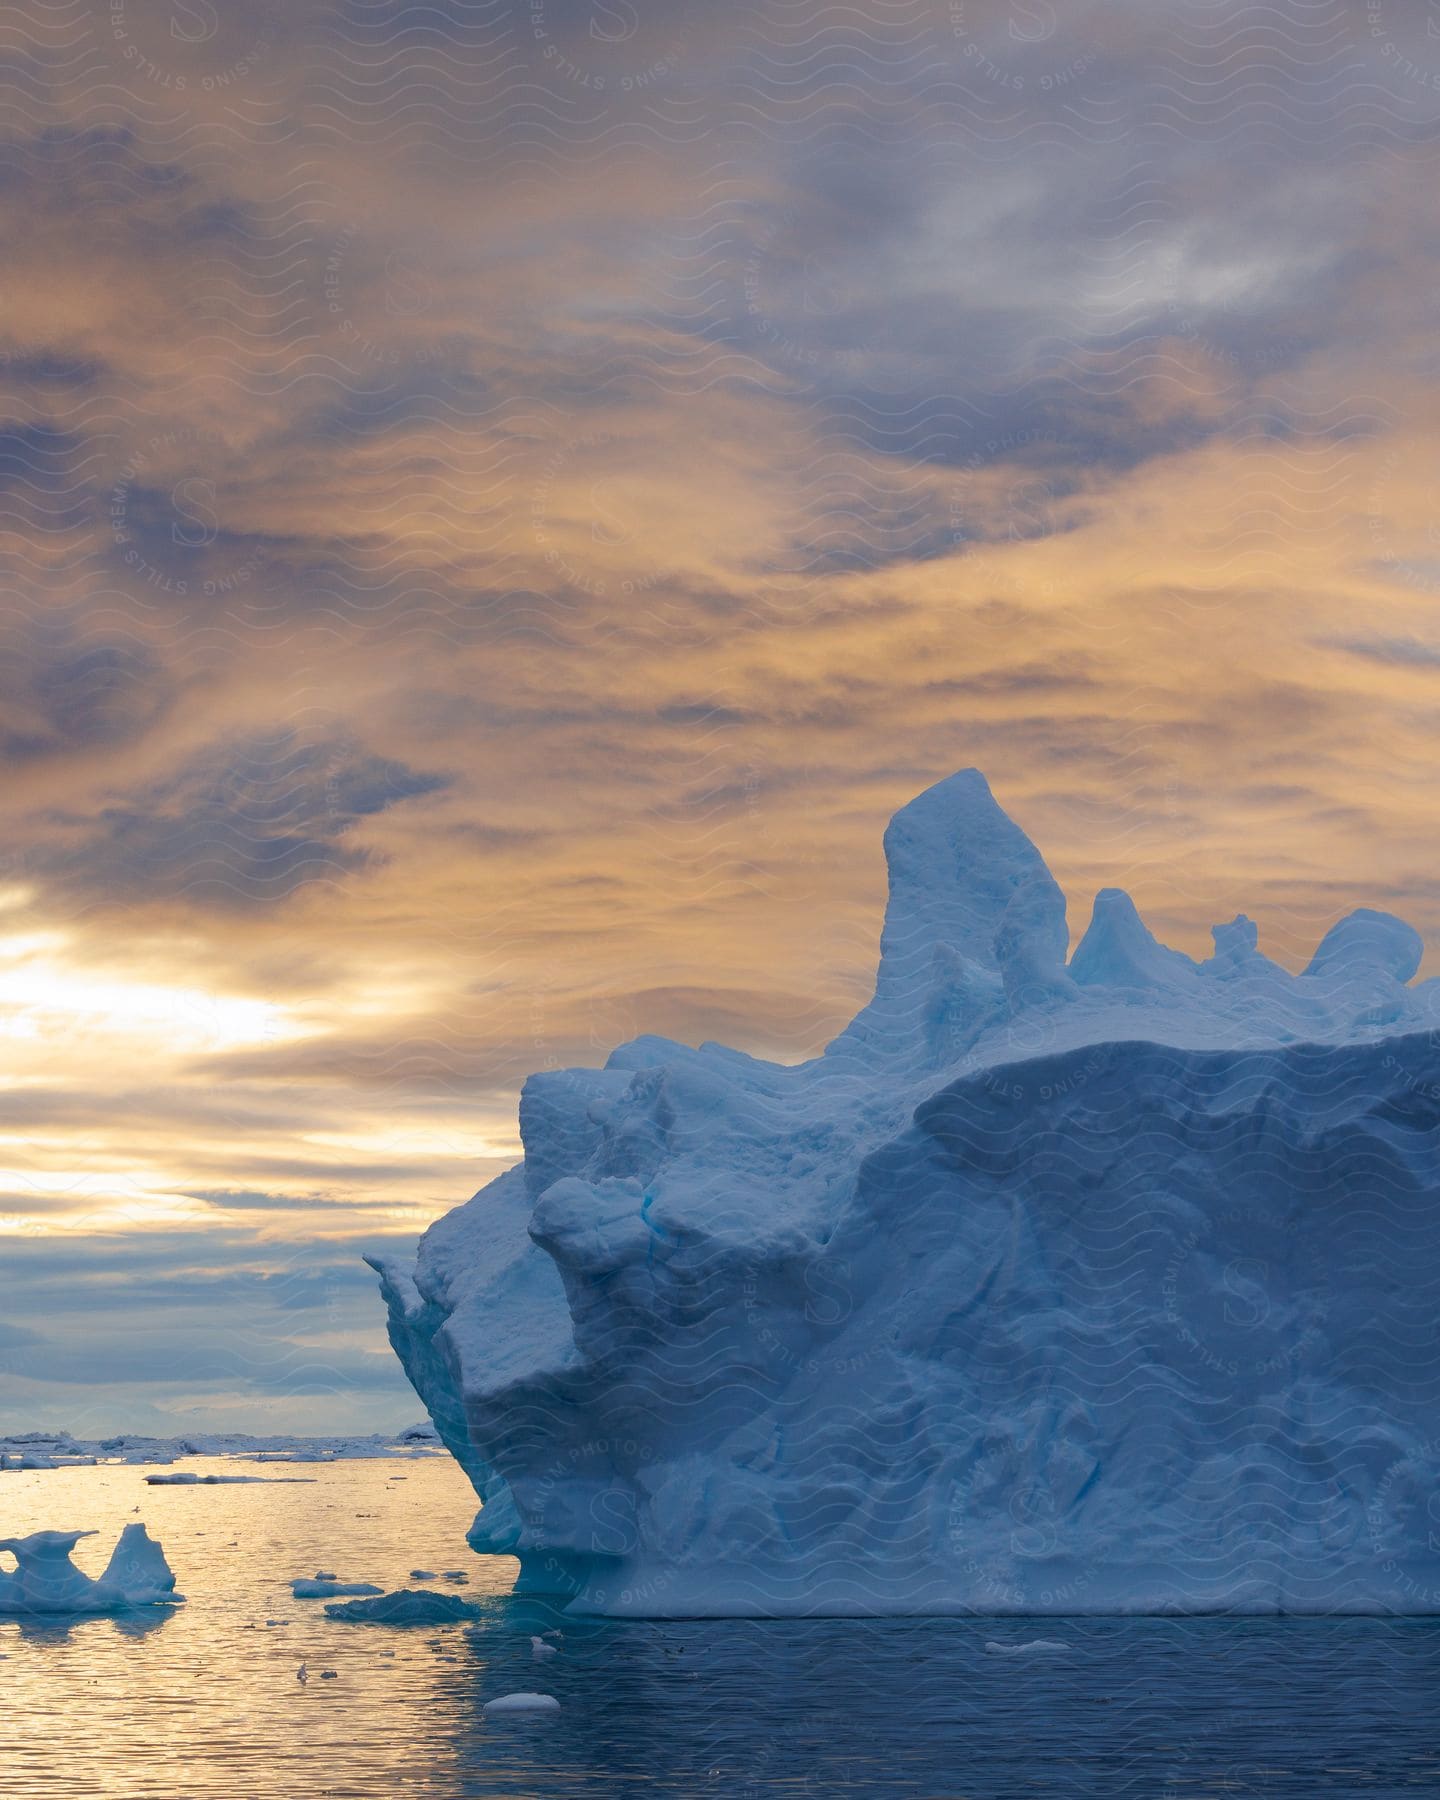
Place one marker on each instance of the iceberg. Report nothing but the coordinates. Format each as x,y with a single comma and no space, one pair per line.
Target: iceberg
1060,1283
46,1581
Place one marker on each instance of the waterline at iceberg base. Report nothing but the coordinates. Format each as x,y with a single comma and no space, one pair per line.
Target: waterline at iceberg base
1051,1287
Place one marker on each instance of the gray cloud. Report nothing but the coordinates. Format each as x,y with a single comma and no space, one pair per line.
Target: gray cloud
64,688
1395,652
245,826
164,1314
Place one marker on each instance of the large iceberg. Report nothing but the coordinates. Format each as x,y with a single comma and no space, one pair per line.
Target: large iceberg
1099,1283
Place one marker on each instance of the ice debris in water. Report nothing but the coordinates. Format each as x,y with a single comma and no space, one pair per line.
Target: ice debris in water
406,1606
188,1478
509,1703
1059,1283
45,1580
331,1590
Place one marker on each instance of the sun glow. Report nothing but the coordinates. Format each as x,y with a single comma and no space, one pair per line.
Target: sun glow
46,996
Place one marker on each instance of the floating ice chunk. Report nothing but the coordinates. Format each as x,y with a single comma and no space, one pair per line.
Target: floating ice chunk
46,1581
540,1651
422,1575
331,1590
508,1703
406,1606
188,1478
138,1567
1036,1647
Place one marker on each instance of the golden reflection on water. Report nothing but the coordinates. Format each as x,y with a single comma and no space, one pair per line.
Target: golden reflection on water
202,1699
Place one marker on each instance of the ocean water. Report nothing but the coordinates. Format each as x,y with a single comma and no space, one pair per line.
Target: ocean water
205,1701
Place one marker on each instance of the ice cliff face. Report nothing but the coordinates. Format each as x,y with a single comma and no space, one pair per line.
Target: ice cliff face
1107,1285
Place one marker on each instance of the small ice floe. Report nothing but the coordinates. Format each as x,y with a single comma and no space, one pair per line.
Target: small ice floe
319,1589
329,1674
540,1651
326,1575
456,1575
511,1703
422,1574
188,1478
1036,1647
46,1581
406,1606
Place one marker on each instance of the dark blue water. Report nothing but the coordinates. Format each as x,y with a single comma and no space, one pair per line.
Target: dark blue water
1153,1708
205,1703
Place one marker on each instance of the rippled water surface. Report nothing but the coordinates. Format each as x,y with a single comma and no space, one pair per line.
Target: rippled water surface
206,1702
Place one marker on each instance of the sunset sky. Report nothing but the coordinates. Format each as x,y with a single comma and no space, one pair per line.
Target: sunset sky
502,500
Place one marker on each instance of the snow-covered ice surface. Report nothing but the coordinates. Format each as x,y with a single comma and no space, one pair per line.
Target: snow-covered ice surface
1099,1285
45,1582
